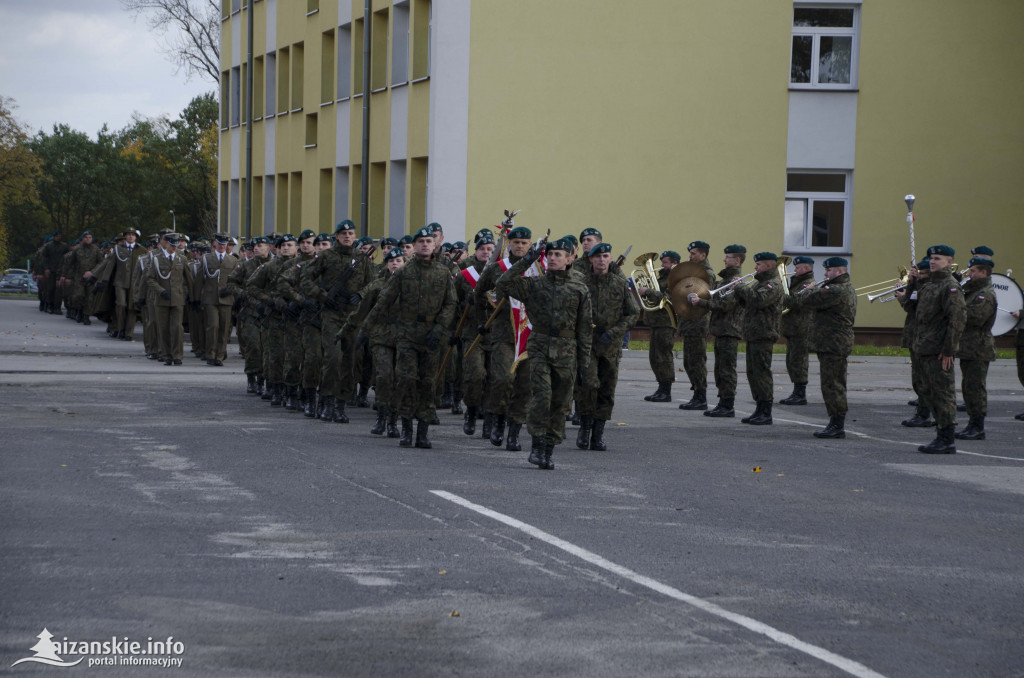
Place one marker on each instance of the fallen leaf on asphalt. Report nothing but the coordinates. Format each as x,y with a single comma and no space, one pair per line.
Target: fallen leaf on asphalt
443,572
756,469
455,613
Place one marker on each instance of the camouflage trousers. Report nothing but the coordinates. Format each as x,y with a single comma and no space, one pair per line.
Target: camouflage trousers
833,383
362,365
660,354
917,376
1020,356
312,356
551,386
336,376
796,358
975,374
415,380
499,377
474,375
726,349
251,342
938,390
291,352
597,396
217,323
695,361
759,370
384,377
273,351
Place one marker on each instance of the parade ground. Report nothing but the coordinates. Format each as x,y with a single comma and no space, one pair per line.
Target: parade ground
159,519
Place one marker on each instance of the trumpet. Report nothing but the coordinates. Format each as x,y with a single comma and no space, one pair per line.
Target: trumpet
901,279
729,287
889,295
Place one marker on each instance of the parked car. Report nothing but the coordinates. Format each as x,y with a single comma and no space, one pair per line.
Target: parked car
19,282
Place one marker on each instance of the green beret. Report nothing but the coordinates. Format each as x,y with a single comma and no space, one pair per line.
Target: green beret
308,233
394,253
981,261
699,245
802,259
323,237
346,225
520,232
572,239
446,247
425,232
482,233
735,249
365,240
560,244
835,262
458,245
600,248
589,231
287,237
434,227
260,240
485,240
405,240
671,254
944,250
388,243
924,264
983,250
762,256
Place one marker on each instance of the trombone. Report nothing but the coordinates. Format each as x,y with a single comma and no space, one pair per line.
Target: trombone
888,295
901,279
728,288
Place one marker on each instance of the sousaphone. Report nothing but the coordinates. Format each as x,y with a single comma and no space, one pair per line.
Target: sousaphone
688,277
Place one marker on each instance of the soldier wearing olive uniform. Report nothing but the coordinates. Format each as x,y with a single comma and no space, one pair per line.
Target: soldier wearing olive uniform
166,284
795,327
474,369
290,300
663,331
216,299
248,330
87,256
907,297
695,333
977,346
261,288
762,309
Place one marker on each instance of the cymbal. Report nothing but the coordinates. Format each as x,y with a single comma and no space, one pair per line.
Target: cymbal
688,277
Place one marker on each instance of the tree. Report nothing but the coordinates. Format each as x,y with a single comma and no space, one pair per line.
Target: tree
19,171
196,46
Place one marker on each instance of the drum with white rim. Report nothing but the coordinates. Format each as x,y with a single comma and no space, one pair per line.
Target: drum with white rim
1008,298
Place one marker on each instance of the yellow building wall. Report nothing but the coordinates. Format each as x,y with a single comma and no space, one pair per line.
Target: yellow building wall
657,126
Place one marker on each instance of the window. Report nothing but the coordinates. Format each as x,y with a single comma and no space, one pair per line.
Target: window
344,61
327,61
340,194
271,91
225,90
817,215
400,44
257,87
236,96
283,70
298,78
420,38
824,47
379,51
311,130
396,200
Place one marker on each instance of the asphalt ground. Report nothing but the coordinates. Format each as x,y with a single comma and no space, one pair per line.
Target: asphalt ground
142,501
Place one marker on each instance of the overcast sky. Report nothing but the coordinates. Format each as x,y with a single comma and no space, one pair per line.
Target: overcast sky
85,63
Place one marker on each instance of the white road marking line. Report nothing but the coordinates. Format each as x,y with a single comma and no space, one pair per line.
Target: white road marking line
840,662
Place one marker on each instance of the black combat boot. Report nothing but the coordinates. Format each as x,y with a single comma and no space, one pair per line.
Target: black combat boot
914,403
339,416
251,387
921,419
422,442
265,388
392,427
722,409
406,440
456,402
291,400
576,416
944,442
1019,417
485,429
512,438
498,431
597,436
380,425
469,425
328,405
699,401
798,397
765,418
583,435
361,394
962,407
446,396
663,394
310,409
757,413
546,463
834,428
537,451
276,395
975,430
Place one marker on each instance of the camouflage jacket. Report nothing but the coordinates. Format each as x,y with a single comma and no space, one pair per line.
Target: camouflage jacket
379,332
798,320
287,283
726,311
239,278
941,315
663,317
86,258
834,305
908,300
331,263
466,294
613,309
501,328
559,309
261,287
417,300
762,306
977,342
699,326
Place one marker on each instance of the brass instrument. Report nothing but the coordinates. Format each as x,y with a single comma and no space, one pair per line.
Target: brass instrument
688,277
889,295
901,279
728,288
784,273
646,276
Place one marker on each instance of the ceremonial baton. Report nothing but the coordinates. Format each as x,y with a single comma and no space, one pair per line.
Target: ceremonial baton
909,199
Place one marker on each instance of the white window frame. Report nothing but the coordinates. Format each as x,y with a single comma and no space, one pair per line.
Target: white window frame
817,33
794,199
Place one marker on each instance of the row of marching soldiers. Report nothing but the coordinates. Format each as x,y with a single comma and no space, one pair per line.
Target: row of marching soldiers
518,329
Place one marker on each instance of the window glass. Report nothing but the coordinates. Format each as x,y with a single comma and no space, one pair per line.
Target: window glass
830,18
834,59
793,229
827,223
800,70
817,183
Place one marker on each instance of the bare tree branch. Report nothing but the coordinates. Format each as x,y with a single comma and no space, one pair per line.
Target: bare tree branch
194,27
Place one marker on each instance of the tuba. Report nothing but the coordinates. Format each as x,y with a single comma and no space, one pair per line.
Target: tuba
646,276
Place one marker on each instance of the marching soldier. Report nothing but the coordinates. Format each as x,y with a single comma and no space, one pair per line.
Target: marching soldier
248,328
941,315
86,257
663,331
695,333
126,258
559,343
831,337
726,325
53,253
795,326
216,299
289,300
277,338
166,284
762,308
613,313
310,325
474,371
977,346
420,301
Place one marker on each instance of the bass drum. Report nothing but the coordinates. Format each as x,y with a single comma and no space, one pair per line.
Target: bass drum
1008,298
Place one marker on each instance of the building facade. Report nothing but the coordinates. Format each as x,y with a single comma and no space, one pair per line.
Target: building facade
796,127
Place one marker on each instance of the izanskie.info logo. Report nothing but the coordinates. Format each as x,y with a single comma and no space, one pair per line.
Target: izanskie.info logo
114,652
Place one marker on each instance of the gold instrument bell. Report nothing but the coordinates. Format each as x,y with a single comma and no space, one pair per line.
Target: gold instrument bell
688,277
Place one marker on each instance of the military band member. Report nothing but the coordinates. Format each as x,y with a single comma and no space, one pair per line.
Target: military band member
216,299
834,305
663,331
726,325
941,315
559,343
795,326
762,309
588,238
420,301
977,345
166,284
1019,350
695,337
917,277
613,313
983,252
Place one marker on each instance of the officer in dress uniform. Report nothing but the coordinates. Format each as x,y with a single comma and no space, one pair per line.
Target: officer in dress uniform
166,284
216,299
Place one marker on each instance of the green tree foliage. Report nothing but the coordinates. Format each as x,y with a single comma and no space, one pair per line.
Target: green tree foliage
19,171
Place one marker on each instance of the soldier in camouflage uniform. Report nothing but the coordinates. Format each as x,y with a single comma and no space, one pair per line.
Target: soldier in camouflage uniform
290,299
663,331
917,278
53,253
796,325
762,309
941,315
559,345
420,301
343,260
87,256
279,337
248,328
977,346
310,325
474,369
726,325
835,306
613,314
695,337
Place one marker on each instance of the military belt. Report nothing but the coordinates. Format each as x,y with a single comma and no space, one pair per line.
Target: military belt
564,334
417,317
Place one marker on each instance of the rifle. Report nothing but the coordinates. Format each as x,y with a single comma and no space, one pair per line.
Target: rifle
448,353
622,258
336,290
